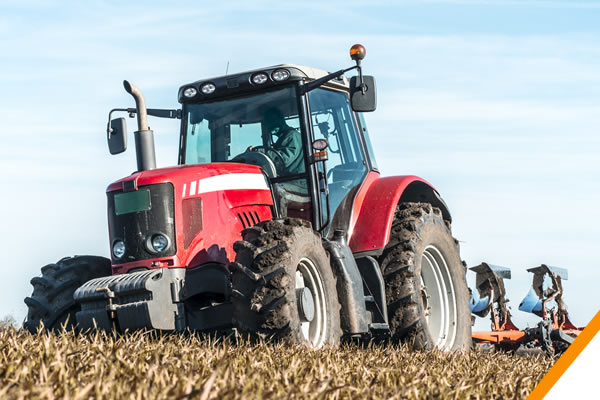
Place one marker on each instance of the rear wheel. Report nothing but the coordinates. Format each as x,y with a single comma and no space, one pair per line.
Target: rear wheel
426,290
52,300
283,285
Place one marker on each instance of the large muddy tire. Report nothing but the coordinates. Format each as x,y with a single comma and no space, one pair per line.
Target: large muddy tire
283,285
52,300
426,289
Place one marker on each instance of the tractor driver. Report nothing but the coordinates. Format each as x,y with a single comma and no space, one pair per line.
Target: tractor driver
288,156
286,152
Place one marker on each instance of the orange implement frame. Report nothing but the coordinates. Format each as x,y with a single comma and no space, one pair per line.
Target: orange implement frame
554,333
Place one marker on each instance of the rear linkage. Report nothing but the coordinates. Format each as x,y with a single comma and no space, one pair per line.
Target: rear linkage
554,333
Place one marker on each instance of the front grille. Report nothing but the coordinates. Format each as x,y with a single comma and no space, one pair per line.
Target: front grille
135,227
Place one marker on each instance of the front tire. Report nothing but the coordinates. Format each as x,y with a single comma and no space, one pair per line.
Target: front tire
283,285
52,300
426,289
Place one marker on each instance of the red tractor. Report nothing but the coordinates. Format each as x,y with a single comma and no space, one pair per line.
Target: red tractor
275,223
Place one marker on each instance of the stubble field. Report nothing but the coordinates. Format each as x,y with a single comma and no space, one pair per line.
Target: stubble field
149,366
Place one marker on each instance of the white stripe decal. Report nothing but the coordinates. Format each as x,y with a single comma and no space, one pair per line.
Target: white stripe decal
232,182
184,187
192,188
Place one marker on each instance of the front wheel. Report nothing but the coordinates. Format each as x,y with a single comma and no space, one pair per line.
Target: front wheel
426,289
283,285
52,303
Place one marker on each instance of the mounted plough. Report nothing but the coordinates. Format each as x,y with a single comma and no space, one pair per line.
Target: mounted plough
554,333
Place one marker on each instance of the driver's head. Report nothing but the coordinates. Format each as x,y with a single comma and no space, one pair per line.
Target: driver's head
273,119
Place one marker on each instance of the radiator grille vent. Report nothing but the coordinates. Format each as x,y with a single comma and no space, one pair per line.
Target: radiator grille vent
248,218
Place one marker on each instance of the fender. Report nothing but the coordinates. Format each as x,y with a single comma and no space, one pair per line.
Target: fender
374,209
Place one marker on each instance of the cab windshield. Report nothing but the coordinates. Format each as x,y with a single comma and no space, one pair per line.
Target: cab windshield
261,129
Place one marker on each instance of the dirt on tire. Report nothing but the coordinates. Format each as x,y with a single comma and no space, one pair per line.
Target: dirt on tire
263,282
415,226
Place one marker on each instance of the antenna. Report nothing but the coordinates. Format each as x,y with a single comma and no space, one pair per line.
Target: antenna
227,69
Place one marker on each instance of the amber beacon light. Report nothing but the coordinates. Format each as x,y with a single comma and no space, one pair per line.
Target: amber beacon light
358,52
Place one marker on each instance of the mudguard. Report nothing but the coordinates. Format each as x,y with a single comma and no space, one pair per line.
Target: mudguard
375,204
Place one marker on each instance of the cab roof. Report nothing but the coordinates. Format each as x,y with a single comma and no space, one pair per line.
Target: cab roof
241,82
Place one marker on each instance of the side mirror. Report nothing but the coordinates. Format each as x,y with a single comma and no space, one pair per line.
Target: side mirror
363,102
117,136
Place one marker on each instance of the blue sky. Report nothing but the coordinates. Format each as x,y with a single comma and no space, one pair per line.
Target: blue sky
497,103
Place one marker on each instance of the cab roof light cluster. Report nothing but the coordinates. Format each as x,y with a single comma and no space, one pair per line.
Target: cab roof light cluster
190,92
197,90
280,75
259,78
205,88
208,88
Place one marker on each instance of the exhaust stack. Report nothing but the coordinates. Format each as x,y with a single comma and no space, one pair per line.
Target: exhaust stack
144,137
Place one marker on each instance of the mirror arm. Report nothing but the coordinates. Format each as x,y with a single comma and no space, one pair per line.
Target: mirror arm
155,112
161,113
108,128
318,82
363,87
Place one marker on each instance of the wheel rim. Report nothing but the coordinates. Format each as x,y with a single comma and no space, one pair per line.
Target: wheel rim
307,276
439,298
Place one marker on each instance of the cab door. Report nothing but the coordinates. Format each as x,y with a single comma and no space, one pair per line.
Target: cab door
333,119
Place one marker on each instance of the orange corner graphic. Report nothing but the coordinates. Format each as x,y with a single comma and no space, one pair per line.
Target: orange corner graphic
566,359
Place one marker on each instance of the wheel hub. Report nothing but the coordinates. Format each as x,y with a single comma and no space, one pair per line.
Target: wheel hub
306,304
310,303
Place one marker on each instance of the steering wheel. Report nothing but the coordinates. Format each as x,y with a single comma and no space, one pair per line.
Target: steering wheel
258,158
276,152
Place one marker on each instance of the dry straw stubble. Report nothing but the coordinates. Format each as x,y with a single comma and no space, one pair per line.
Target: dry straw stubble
145,365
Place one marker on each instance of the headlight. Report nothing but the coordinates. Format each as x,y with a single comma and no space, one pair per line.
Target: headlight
157,243
280,75
118,249
190,92
208,88
259,78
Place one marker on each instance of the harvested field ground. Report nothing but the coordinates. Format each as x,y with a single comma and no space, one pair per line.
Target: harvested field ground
148,366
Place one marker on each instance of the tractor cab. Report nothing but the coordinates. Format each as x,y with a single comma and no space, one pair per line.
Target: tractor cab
302,126
310,143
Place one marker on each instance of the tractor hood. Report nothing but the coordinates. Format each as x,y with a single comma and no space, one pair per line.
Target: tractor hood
196,176
199,210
